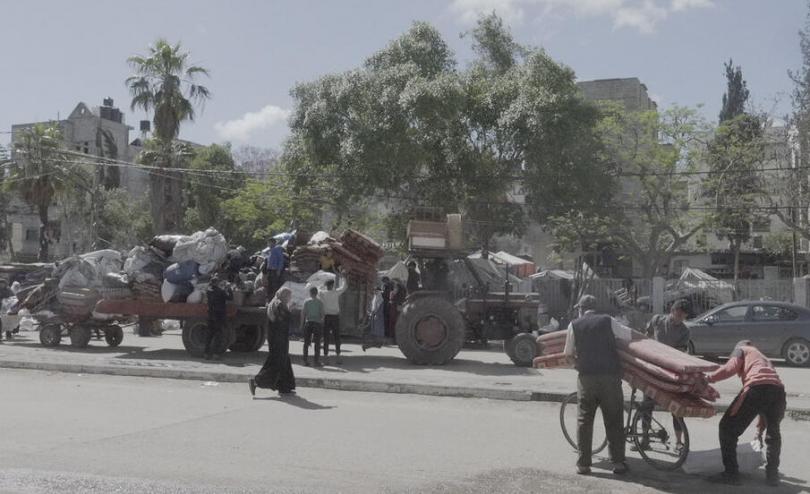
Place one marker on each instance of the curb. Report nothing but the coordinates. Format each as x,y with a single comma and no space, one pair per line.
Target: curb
359,385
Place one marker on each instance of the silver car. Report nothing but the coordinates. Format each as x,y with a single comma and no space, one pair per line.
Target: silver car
778,329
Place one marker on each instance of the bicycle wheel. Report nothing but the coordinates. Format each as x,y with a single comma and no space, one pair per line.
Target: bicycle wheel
568,423
661,449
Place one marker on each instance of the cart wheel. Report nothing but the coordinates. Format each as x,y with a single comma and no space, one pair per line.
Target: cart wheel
80,336
50,335
114,335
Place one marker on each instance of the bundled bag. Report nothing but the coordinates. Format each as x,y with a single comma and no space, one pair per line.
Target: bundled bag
167,243
202,247
181,272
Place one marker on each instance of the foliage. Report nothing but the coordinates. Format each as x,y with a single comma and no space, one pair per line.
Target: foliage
735,97
4,226
735,155
792,199
165,185
42,173
411,130
123,221
263,208
165,82
206,191
255,160
647,215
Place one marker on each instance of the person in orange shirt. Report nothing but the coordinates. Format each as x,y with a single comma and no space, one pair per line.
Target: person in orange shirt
763,394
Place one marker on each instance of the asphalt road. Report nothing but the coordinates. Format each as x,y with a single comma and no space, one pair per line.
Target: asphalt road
83,433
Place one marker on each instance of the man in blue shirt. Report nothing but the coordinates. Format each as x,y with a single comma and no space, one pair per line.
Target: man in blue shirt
273,268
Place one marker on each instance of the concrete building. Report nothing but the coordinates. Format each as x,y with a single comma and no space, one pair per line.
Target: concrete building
631,92
99,131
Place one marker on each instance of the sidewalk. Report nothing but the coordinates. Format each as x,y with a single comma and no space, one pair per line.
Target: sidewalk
480,373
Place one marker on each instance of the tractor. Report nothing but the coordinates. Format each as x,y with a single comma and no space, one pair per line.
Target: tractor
458,302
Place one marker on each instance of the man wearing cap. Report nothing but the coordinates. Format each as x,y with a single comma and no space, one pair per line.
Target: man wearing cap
591,341
668,329
763,395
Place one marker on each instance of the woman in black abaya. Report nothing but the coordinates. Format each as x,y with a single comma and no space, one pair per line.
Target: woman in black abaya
277,373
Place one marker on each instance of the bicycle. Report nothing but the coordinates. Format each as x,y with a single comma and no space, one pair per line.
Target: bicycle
660,450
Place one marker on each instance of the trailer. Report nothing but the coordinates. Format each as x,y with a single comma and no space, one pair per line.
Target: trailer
245,329
71,316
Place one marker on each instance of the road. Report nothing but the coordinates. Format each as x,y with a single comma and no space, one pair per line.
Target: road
86,433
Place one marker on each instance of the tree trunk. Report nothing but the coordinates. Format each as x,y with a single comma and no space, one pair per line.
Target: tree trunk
42,209
735,249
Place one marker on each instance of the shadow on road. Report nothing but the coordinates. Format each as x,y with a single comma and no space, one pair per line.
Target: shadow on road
297,401
681,483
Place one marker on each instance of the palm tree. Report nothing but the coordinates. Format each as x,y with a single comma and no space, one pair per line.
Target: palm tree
40,173
164,82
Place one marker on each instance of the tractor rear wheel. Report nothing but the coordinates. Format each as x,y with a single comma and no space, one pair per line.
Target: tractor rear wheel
430,331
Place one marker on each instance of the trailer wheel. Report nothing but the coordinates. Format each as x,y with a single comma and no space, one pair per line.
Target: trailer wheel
114,335
195,334
430,331
50,335
248,338
521,349
80,336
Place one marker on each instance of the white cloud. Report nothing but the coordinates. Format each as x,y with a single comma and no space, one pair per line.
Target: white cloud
242,128
678,5
642,15
468,11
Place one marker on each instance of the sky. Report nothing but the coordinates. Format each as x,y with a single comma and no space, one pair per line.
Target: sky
56,53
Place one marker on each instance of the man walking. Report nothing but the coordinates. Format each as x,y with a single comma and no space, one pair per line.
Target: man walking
330,296
218,296
668,329
591,341
763,394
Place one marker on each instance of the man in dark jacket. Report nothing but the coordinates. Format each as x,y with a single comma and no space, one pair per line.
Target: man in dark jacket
591,341
668,329
218,295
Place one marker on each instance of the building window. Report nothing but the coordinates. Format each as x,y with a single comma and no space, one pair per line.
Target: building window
757,241
762,225
31,235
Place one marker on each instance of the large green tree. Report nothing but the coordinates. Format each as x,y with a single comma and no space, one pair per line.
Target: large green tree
165,83
262,208
212,180
41,173
734,187
411,129
5,162
791,197
647,215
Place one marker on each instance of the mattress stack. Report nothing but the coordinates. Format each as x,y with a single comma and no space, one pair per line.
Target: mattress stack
673,379
307,258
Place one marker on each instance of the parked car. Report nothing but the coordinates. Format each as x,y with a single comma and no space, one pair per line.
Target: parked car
778,329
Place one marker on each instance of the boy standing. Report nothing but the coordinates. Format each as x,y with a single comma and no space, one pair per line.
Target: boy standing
312,316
